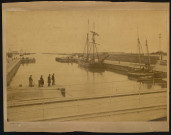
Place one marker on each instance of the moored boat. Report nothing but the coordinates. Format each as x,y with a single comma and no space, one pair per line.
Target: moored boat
91,58
144,72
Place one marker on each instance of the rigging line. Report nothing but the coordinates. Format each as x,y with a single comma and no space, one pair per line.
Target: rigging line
139,40
147,52
139,51
141,48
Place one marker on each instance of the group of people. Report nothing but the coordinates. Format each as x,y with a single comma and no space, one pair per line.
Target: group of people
50,80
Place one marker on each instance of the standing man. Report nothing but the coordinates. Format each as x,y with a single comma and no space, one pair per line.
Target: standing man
30,81
53,79
49,80
41,81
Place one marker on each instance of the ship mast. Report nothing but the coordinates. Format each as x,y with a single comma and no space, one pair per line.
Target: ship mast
93,42
86,48
139,50
87,43
148,55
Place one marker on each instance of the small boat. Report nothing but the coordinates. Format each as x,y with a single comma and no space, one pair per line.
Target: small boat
62,60
66,59
141,74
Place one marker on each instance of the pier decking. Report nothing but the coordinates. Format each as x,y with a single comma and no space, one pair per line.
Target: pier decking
42,104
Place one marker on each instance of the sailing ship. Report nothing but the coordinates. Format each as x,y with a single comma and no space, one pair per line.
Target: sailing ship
144,72
91,59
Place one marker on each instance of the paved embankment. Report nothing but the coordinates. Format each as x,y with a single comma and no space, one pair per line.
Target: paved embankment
12,68
143,105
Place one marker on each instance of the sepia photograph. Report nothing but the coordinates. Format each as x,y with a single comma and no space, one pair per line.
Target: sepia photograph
86,62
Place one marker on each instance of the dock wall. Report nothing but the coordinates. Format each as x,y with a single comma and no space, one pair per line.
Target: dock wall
134,58
12,69
125,67
118,68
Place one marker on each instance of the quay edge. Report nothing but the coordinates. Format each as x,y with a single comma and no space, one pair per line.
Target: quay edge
11,71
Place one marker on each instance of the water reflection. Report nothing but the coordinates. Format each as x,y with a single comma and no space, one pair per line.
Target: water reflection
153,82
116,71
93,70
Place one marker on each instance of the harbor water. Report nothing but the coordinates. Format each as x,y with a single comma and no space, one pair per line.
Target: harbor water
77,81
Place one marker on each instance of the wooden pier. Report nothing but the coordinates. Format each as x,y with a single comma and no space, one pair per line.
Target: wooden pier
12,68
49,105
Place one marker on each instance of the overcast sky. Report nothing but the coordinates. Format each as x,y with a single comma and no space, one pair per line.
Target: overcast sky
65,31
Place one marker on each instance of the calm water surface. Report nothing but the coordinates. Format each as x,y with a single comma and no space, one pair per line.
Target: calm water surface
76,80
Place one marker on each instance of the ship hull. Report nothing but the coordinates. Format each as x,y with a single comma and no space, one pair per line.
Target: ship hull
141,76
93,66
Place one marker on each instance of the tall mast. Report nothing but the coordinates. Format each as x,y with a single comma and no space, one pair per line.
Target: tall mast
148,54
87,43
93,38
139,51
93,41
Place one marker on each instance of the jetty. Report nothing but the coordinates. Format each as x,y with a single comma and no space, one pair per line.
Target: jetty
125,67
12,67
